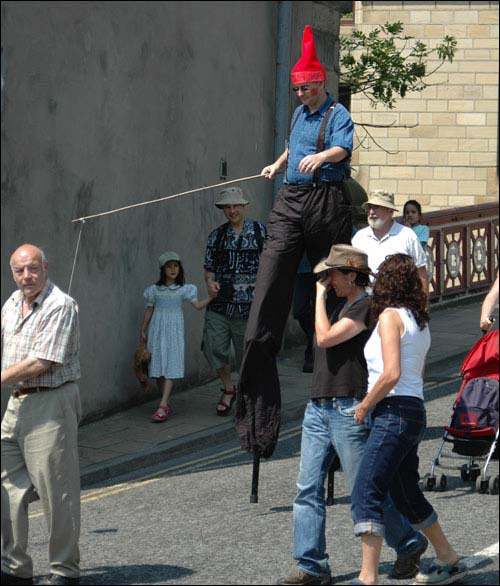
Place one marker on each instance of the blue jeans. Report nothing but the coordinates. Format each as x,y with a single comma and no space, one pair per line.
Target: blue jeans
329,428
390,466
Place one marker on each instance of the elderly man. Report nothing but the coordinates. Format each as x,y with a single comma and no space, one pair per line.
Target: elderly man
40,338
231,263
384,236
313,211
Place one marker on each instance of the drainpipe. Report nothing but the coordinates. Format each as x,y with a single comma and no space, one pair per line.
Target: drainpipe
281,112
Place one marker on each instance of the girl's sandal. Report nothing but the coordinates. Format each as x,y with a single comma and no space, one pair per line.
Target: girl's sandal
223,408
161,413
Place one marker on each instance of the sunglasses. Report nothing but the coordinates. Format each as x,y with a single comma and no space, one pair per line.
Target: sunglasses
302,88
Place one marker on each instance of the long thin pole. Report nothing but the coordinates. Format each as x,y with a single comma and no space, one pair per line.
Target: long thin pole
145,203
254,496
76,254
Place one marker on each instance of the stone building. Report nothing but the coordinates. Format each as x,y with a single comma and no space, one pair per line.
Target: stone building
448,155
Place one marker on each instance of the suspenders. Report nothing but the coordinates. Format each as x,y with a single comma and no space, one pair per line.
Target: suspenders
320,145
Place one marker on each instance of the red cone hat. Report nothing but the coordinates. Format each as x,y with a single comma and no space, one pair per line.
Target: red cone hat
308,68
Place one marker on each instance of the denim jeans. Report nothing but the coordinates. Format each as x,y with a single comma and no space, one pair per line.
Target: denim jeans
328,428
390,466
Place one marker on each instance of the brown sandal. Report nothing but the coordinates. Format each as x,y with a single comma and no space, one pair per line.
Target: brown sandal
226,408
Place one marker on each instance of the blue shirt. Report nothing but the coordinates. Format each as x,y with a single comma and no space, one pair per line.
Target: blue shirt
304,138
422,232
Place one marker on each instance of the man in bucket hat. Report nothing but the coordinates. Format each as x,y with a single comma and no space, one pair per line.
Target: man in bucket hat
384,236
231,262
313,211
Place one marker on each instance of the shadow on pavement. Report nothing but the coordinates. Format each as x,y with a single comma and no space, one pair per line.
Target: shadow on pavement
134,574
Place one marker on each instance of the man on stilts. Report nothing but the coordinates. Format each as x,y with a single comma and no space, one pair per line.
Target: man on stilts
313,211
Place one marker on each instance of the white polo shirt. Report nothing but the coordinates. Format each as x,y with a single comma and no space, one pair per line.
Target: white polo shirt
399,239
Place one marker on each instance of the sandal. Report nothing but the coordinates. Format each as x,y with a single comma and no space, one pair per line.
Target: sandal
226,407
161,413
440,573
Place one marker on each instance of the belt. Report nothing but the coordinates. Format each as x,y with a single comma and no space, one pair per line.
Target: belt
323,400
30,391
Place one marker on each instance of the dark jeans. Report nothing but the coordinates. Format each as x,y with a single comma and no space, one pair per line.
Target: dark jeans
390,466
310,219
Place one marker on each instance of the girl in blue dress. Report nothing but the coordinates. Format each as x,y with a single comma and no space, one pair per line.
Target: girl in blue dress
163,327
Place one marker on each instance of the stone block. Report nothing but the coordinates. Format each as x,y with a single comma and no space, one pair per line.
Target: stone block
486,159
442,172
452,131
437,106
439,187
424,132
438,158
461,105
392,172
471,187
417,158
420,17
471,119
477,31
459,158
408,144
438,144
488,16
463,173
461,200
487,78
474,145
465,16
450,92
406,187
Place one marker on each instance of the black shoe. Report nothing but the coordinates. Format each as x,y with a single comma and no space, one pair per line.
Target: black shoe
406,567
58,579
11,579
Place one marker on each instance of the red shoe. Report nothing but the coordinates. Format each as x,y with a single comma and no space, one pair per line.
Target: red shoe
161,413
224,408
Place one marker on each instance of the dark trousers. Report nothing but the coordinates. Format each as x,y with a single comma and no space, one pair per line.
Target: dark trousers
303,307
310,219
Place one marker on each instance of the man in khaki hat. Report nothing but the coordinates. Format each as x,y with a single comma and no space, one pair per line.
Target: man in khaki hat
383,236
231,263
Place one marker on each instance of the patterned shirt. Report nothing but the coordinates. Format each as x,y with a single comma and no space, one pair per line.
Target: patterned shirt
234,260
50,331
304,139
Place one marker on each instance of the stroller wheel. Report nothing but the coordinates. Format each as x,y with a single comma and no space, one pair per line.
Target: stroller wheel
465,473
428,482
493,485
482,484
443,483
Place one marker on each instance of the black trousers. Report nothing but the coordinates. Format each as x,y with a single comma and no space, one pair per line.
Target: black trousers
304,218
304,297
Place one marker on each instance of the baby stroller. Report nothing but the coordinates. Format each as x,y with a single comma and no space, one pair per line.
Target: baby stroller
473,429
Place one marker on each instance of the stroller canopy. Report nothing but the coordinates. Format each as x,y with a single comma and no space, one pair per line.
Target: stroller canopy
483,358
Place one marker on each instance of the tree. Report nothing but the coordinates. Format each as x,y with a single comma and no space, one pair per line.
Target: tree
384,65
388,63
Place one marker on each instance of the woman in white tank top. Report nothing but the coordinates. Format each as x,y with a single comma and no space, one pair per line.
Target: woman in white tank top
395,355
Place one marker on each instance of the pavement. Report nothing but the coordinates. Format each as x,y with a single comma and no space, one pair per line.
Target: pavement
129,440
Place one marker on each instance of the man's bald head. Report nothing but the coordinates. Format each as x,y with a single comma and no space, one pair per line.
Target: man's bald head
29,269
29,250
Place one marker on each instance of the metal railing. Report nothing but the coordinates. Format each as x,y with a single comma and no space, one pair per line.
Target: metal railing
462,252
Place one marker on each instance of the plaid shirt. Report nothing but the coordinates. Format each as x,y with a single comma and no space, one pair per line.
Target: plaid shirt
50,331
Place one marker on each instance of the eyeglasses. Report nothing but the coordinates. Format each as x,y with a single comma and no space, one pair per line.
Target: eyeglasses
302,88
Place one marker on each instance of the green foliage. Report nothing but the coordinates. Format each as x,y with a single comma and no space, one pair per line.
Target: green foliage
389,63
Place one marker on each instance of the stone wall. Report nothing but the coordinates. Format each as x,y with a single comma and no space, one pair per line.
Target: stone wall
450,157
